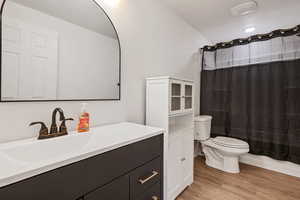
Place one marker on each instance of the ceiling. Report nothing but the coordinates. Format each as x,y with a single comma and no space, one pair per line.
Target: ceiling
85,13
213,19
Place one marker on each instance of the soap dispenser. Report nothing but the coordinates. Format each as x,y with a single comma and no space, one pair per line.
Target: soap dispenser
84,120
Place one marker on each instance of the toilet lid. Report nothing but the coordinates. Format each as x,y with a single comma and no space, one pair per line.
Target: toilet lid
231,142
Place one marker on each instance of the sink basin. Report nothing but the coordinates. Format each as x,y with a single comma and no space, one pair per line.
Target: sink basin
49,149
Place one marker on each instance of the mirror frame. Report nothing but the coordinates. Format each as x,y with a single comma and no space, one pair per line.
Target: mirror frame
64,100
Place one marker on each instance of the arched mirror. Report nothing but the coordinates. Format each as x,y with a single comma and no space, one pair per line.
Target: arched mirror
58,50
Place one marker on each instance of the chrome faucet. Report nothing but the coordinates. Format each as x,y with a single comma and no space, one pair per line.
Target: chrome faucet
54,131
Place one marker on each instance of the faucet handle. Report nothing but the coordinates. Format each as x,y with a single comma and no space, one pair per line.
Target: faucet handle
44,129
63,127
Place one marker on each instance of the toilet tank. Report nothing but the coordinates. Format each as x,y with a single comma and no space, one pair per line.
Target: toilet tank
202,127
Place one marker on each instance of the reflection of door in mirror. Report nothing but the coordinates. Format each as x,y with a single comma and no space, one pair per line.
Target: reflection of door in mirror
58,50
29,62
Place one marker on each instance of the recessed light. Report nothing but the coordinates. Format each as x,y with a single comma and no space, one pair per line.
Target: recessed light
112,3
249,30
245,8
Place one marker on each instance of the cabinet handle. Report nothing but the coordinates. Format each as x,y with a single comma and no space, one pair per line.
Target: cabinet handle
143,181
155,198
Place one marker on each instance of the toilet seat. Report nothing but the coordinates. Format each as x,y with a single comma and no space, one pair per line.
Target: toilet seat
230,142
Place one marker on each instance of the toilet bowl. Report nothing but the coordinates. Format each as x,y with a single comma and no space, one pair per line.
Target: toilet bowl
221,152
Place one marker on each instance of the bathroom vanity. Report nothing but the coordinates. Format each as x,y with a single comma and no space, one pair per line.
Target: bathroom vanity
115,162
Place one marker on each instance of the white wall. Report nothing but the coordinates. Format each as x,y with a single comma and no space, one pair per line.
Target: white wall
154,42
84,56
214,20
267,19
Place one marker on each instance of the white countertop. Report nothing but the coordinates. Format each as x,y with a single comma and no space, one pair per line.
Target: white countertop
26,158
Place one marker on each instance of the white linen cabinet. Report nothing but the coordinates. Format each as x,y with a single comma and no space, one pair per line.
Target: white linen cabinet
170,105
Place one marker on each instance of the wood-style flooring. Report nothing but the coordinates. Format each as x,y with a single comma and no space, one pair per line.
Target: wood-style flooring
252,183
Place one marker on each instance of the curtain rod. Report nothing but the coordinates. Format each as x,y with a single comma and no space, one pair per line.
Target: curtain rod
254,38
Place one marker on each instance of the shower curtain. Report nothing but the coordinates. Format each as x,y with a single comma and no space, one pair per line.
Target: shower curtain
251,87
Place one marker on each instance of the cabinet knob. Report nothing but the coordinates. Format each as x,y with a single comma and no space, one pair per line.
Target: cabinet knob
183,159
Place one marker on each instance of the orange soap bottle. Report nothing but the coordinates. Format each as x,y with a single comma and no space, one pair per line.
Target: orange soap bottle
84,120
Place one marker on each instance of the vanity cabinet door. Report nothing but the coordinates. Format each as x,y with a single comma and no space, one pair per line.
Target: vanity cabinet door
117,190
42,187
144,177
153,193
64,184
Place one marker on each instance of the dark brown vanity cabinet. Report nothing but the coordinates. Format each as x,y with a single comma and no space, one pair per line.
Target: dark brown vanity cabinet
133,172
117,190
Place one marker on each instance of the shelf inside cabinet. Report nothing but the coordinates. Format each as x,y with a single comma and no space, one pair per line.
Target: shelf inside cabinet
188,90
188,103
176,103
181,114
176,89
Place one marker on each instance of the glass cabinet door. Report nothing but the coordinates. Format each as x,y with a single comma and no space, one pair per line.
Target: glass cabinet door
181,99
188,97
176,96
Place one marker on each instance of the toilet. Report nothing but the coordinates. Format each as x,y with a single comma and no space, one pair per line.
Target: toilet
221,152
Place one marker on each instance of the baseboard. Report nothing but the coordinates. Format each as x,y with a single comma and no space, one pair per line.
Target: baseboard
271,164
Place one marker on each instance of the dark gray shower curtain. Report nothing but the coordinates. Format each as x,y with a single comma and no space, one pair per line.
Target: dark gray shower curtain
258,103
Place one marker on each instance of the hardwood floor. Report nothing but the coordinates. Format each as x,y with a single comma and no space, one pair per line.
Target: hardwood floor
251,184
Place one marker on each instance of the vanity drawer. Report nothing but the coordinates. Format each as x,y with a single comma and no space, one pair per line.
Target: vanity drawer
154,193
106,167
145,177
117,190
